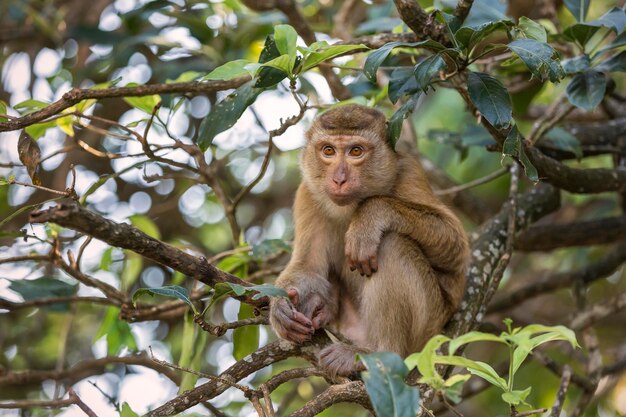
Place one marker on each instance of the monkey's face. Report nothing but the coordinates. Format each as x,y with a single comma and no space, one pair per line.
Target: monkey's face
349,168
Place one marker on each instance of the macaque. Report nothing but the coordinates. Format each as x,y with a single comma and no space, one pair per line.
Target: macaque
377,257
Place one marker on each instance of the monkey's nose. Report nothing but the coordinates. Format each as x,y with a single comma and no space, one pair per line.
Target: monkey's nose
340,181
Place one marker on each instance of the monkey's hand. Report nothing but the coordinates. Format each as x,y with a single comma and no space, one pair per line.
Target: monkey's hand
289,323
362,249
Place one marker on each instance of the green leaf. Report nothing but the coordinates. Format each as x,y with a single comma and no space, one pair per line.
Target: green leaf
614,64
425,361
395,122
454,387
286,38
30,105
490,98
615,19
245,338
578,8
470,337
577,64
37,130
586,90
427,69
145,103
314,58
229,70
539,57
516,398
44,287
580,32
514,148
485,11
268,76
226,113
146,225
107,258
127,411
561,139
481,369
270,247
562,331
468,36
532,29
401,83
384,382
376,58
172,291
133,265
281,63
118,334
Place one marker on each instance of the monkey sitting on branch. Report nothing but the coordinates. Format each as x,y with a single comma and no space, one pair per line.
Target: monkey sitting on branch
377,257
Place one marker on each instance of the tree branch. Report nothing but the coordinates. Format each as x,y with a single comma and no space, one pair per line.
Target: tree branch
73,216
77,95
589,232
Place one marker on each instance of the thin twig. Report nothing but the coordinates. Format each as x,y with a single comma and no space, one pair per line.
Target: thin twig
560,396
474,183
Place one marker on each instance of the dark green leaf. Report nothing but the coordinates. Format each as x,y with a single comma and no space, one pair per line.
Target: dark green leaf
614,64
532,29
267,76
468,36
427,69
615,19
580,32
401,83
490,98
485,11
245,338
376,58
559,138
579,63
285,37
539,57
514,148
270,247
44,287
395,122
226,113
578,8
586,90
173,291
384,382
30,105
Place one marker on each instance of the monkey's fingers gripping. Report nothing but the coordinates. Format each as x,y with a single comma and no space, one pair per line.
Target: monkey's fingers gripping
363,257
289,323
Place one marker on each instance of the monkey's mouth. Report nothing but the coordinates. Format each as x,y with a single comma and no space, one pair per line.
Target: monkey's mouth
341,199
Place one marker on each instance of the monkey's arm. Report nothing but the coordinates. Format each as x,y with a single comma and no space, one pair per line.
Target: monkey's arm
434,228
312,301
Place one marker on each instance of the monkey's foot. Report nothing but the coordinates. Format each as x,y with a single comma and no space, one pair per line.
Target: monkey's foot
339,359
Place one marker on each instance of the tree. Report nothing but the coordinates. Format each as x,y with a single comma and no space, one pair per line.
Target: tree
138,160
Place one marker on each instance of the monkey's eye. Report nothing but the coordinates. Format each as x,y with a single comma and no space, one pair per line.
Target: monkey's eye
356,151
328,150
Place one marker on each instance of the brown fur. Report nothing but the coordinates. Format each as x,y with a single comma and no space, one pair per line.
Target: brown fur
376,255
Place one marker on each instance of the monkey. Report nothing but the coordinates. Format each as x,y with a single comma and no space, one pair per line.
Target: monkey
376,256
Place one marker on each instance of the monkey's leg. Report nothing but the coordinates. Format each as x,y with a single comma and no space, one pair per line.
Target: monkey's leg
402,305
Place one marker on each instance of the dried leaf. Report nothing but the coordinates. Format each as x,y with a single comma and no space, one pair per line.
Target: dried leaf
30,155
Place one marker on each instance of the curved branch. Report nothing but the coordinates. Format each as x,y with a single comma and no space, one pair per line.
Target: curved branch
77,95
589,232
610,263
353,392
83,370
267,355
73,216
